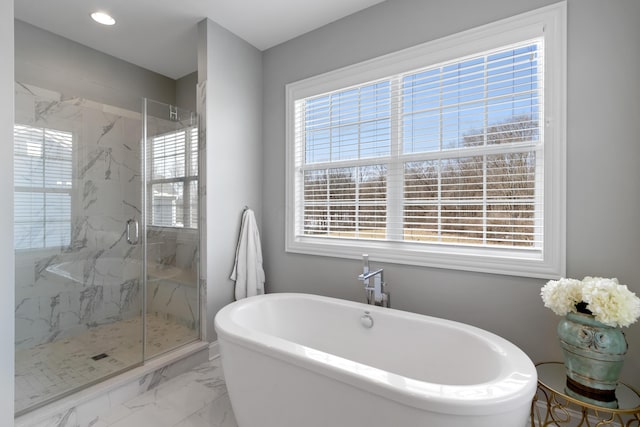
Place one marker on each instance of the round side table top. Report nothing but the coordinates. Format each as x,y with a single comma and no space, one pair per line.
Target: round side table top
552,376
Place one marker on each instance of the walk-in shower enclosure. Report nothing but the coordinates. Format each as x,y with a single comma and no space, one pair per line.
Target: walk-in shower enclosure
106,239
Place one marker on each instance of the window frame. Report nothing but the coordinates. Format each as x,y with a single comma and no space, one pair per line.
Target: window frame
548,262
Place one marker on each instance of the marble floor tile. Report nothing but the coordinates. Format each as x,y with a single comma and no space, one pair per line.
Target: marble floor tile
216,414
197,398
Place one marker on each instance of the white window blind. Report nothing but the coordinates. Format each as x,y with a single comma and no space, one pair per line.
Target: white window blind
174,179
454,158
43,168
445,154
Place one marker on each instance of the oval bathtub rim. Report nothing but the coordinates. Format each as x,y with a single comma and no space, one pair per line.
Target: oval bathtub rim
451,399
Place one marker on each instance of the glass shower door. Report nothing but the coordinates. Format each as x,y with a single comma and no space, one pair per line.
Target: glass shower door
171,227
78,244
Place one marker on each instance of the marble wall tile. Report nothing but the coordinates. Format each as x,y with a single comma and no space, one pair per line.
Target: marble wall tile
174,297
201,100
106,191
169,299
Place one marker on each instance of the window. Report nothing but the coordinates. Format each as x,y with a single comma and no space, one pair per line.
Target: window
174,179
43,163
449,154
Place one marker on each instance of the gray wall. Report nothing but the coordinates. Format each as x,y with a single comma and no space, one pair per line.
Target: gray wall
52,62
603,237
231,71
6,214
186,91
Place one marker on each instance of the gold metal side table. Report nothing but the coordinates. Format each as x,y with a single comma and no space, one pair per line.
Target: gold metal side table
553,406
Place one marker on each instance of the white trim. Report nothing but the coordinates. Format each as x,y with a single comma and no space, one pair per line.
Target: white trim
550,262
214,350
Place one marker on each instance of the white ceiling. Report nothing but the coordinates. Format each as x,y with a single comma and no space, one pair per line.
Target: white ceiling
160,35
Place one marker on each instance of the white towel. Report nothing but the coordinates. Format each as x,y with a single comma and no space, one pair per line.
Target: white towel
247,270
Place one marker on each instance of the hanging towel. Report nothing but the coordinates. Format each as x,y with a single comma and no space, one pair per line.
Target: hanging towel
247,270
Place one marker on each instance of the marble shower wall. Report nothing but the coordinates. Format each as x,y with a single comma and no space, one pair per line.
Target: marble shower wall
172,253
96,278
172,280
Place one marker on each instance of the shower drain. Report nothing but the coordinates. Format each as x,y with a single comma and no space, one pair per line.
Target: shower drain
99,356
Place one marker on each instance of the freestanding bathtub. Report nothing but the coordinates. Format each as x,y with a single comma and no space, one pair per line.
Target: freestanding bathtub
298,360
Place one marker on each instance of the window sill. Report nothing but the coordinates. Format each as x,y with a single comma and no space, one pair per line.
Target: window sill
512,262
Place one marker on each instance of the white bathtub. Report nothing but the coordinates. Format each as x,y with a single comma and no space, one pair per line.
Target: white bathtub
298,360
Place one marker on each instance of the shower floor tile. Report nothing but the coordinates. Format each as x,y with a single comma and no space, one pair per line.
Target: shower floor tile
49,370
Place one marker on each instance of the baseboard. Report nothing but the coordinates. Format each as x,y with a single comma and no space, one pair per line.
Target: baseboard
214,350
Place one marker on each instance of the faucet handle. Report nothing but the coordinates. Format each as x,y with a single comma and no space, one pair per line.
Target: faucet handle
365,263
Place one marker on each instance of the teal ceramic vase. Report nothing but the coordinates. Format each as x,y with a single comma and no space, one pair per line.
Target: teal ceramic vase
593,356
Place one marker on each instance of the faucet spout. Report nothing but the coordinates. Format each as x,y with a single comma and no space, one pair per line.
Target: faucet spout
370,274
376,293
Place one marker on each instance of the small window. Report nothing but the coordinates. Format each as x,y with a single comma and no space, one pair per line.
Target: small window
43,168
449,160
173,185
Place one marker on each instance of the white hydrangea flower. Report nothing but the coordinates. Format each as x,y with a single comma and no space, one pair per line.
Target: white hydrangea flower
610,302
561,296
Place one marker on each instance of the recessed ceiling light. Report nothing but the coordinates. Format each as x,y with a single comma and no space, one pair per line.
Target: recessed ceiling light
103,18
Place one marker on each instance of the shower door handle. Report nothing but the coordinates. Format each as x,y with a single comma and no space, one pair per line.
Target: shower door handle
132,238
